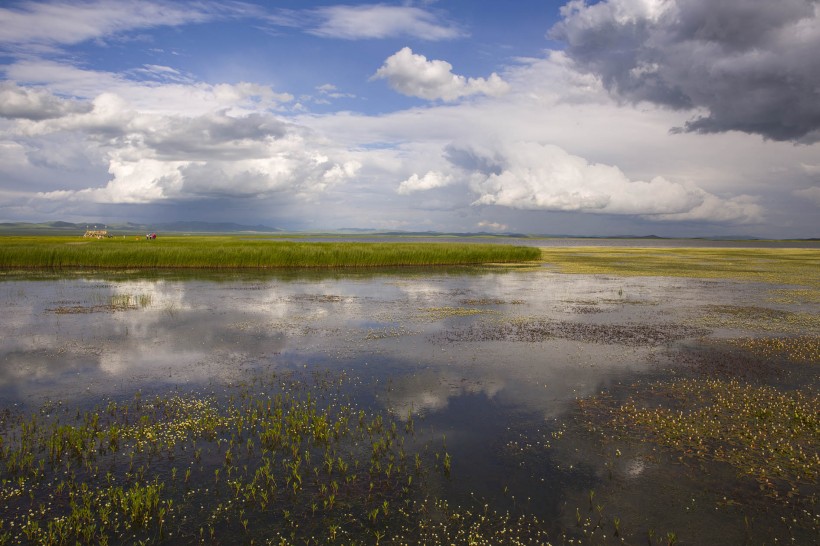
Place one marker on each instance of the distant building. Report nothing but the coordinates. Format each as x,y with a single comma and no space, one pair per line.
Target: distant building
97,234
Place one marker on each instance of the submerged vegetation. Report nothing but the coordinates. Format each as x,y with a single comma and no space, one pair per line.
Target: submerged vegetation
238,252
280,459
765,434
768,436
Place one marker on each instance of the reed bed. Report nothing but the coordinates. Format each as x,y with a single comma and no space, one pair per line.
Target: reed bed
216,252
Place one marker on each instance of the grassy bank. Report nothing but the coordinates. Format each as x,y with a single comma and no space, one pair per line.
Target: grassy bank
236,252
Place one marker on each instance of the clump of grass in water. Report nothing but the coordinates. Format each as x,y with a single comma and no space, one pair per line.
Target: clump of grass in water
121,302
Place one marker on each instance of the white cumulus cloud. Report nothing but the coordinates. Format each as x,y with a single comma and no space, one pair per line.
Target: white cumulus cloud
495,226
529,175
413,75
155,157
432,179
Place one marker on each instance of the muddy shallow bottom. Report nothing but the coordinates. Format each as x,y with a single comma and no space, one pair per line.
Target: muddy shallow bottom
490,366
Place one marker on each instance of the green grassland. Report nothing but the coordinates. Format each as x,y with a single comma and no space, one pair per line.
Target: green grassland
212,252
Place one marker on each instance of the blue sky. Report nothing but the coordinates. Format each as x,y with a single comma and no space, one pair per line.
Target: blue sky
668,117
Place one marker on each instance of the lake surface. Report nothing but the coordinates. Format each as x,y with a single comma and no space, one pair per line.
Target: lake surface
490,362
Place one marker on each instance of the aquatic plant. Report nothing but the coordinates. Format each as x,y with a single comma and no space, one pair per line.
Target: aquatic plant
795,348
758,319
766,434
110,475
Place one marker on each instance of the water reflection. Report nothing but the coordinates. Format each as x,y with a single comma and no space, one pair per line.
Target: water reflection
62,334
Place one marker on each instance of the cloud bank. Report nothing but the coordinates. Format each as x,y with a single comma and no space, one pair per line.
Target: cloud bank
751,65
154,157
533,176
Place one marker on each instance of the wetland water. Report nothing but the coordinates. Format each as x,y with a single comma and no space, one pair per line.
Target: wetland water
489,365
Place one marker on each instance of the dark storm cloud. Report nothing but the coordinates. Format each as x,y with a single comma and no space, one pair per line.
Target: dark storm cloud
752,65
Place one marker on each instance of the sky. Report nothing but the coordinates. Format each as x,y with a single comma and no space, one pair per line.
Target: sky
618,117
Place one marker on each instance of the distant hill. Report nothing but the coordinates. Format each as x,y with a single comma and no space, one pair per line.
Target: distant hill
27,228
212,227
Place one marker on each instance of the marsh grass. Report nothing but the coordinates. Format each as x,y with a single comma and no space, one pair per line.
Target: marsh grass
234,252
776,266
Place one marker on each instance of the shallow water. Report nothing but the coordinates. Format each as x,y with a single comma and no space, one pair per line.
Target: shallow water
490,362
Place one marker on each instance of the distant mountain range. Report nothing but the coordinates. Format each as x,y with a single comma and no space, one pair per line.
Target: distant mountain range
129,227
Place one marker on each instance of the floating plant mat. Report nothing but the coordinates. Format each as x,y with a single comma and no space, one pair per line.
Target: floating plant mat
776,266
759,319
804,349
766,434
790,296
536,330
